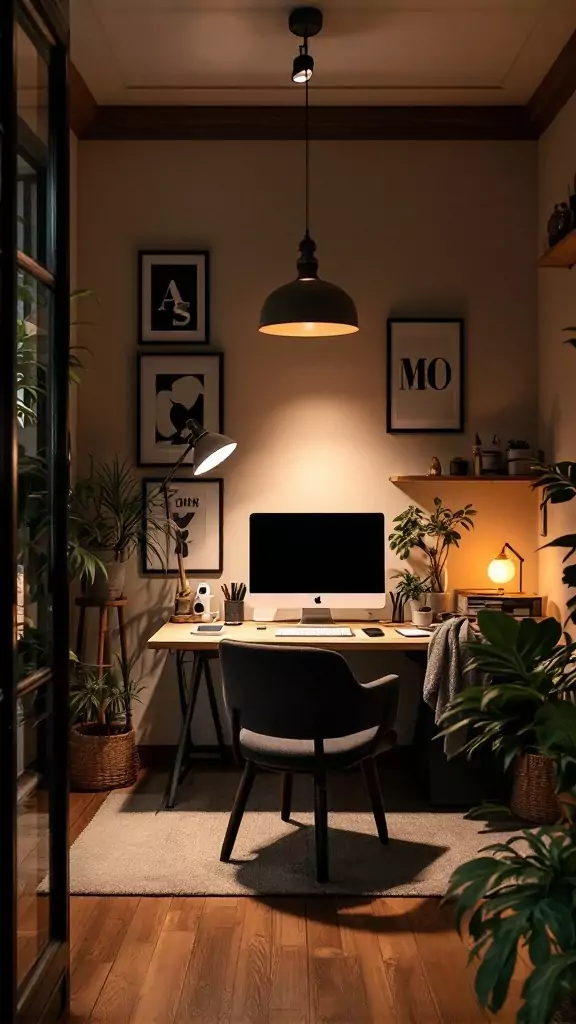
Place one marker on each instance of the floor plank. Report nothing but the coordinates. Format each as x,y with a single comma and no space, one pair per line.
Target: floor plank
286,960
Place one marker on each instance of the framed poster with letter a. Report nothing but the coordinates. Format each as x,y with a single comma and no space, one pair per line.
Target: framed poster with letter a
425,376
173,297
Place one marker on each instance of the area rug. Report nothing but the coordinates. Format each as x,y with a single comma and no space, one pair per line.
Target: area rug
134,847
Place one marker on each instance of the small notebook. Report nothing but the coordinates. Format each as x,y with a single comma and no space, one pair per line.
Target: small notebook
414,632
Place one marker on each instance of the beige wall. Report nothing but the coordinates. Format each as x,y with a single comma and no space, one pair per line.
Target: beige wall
408,228
557,362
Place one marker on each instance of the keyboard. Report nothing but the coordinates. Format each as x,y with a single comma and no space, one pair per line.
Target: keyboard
314,631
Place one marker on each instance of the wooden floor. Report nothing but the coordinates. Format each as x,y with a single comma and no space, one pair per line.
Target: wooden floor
229,960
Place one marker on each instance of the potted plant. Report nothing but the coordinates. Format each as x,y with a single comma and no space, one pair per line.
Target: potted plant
411,588
102,747
530,670
111,515
520,458
432,534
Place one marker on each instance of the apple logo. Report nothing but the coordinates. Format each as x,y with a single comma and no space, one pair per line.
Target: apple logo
317,600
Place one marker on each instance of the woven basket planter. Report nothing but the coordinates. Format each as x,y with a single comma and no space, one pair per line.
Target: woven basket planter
102,761
534,790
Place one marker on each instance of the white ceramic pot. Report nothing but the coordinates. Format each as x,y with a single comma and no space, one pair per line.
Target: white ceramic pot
439,602
422,618
520,462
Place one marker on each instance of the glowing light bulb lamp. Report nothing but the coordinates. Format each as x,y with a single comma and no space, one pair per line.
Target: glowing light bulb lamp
502,568
210,449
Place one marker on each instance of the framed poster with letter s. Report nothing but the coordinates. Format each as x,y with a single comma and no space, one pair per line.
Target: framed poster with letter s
173,299
425,376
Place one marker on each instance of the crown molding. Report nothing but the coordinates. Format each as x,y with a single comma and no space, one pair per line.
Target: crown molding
555,89
89,120
286,122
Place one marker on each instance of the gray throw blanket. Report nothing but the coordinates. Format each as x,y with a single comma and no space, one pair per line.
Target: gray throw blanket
448,673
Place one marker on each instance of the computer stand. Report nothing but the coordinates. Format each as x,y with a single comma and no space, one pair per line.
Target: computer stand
316,617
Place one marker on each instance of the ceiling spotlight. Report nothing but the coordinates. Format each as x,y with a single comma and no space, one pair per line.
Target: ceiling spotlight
304,22
303,66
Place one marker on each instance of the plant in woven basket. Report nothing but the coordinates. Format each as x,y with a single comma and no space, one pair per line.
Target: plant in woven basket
102,701
433,534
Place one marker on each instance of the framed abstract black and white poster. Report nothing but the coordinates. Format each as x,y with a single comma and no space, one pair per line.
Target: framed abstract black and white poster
425,376
196,509
173,297
173,389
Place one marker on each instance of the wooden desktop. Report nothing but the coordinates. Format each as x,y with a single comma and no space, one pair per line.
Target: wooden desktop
183,637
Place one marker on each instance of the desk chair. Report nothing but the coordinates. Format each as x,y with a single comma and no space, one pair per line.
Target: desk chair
300,709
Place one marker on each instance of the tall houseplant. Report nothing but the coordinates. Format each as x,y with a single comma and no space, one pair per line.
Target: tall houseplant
112,516
527,896
434,535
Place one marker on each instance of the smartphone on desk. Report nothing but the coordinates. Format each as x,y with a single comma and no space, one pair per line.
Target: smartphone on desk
208,629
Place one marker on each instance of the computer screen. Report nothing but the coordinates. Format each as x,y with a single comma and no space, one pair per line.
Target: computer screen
324,553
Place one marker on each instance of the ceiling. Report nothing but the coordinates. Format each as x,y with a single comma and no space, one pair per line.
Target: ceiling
373,52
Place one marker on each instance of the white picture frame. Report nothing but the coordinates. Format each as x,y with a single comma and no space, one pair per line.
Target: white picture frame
425,376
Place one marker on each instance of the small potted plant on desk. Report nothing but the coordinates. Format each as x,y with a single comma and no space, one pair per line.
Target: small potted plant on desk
414,589
103,751
111,515
432,534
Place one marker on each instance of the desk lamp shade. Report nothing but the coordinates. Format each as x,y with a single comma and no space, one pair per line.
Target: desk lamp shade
210,450
501,569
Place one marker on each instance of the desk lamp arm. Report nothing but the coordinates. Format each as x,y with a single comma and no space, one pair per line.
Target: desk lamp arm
520,564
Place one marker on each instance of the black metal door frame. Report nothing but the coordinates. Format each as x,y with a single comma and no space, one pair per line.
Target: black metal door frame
44,993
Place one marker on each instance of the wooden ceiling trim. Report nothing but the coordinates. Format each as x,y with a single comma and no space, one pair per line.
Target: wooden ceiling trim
287,122
555,89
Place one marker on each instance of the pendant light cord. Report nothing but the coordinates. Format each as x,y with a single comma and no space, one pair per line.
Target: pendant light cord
307,140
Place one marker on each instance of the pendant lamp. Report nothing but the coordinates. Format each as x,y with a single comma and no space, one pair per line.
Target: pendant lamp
308,307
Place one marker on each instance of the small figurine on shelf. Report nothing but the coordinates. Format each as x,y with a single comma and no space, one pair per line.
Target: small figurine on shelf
477,456
435,467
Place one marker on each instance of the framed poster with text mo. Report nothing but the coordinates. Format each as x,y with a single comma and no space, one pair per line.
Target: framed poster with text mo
173,297
424,376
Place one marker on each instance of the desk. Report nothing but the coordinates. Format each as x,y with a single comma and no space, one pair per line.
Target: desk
183,640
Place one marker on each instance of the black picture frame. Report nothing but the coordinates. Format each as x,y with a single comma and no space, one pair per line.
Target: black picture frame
194,483
458,426
151,333
193,359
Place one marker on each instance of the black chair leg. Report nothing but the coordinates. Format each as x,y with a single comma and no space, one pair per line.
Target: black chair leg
321,827
372,781
286,796
238,809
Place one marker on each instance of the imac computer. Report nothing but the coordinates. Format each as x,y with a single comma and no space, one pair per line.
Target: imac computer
316,561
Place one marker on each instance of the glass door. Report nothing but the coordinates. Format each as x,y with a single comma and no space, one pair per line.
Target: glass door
34,329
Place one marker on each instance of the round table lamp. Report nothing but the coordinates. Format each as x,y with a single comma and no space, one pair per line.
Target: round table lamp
502,569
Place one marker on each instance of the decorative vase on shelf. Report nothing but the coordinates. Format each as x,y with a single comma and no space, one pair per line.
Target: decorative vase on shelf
560,223
520,461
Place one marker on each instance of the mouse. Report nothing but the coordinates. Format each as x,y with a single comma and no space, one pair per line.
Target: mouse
373,631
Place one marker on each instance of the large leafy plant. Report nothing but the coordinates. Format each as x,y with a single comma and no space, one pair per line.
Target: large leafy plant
530,666
433,534
111,513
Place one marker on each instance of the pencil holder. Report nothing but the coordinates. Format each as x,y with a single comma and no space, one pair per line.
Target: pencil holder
233,611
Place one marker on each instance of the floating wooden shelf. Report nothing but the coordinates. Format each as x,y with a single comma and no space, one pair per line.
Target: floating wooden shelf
563,254
500,479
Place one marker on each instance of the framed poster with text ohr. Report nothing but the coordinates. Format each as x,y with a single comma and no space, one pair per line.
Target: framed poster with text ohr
173,297
196,510
173,389
425,376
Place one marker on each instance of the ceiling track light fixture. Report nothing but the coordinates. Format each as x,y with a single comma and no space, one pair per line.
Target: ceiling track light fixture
307,307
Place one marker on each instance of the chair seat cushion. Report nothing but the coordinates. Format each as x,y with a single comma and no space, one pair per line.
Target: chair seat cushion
298,755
